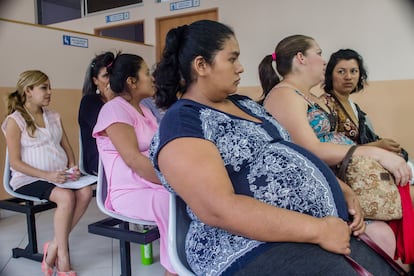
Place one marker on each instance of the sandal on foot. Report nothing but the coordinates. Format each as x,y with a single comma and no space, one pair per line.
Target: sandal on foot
47,269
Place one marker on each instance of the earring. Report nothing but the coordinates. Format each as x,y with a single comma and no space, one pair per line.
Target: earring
97,91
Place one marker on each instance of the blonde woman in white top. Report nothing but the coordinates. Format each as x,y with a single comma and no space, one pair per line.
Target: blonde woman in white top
40,157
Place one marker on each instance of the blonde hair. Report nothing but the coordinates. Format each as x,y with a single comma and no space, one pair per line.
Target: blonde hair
17,99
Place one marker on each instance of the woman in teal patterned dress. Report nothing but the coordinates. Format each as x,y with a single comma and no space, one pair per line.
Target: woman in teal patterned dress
308,119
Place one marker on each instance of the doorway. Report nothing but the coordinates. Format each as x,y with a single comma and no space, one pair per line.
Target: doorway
163,25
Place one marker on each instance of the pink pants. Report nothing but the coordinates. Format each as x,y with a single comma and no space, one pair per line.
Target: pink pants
147,203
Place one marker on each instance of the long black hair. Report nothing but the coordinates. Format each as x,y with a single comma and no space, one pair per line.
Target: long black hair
122,67
173,74
96,64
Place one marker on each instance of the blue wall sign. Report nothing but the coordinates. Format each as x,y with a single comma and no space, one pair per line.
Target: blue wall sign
117,17
75,41
184,4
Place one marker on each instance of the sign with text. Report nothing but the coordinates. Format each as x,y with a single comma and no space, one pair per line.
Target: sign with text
75,41
117,17
184,4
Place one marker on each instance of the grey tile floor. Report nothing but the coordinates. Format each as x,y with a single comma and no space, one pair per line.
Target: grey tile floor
91,255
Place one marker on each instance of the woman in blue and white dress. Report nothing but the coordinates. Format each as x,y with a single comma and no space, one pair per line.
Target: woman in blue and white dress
258,203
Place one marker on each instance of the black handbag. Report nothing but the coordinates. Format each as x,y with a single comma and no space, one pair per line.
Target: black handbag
366,135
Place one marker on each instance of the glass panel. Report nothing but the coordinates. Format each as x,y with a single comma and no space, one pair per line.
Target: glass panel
101,5
55,11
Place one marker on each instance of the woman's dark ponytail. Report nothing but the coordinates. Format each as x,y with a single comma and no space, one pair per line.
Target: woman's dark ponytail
167,75
120,69
268,76
174,73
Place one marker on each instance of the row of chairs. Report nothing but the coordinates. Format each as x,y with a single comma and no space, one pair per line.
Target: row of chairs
114,226
117,226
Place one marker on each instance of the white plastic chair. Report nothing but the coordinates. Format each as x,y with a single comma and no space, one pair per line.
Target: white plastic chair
9,189
29,206
117,225
178,224
81,166
101,193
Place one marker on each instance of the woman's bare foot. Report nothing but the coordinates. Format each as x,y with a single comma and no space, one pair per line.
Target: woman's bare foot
63,264
51,253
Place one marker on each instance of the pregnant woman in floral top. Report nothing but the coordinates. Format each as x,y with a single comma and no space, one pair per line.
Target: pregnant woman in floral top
258,203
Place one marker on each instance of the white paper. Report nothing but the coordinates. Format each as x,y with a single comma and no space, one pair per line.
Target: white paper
80,183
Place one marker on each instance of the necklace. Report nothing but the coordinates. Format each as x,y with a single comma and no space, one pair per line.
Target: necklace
346,106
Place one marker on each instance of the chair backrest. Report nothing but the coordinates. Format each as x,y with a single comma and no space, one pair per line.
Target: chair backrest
81,167
178,224
8,188
101,194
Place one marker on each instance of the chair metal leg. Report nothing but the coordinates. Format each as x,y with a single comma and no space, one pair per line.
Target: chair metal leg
29,209
31,250
125,253
31,230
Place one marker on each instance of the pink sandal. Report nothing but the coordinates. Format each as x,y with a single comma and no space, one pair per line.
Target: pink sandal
47,269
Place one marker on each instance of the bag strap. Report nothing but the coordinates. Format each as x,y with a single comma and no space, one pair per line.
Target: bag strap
345,162
357,267
368,241
362,271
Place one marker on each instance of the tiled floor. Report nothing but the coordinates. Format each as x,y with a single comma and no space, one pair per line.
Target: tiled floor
91,255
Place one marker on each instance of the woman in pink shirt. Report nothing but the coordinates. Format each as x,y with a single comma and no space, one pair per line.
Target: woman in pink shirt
123,133
40,155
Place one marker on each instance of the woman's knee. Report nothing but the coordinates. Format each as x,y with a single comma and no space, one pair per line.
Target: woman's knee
382,234
63,197
84,195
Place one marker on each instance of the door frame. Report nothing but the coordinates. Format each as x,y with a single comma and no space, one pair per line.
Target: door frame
158,50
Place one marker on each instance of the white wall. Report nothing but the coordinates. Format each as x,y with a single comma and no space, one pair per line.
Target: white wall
381,30
20,10
27,46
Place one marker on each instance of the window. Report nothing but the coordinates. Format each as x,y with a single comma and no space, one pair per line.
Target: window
55,11
102,5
